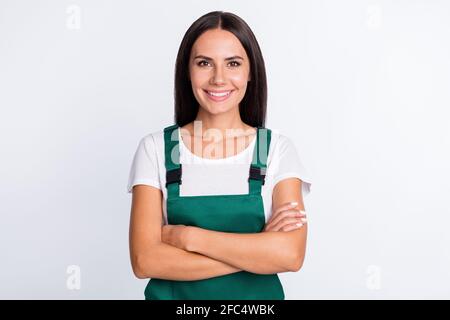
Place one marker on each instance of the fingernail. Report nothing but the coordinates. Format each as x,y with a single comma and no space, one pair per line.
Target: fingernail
302,212
294,203
299,224
303,220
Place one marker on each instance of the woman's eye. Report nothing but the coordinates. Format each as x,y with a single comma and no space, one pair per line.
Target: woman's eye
201,63
236,64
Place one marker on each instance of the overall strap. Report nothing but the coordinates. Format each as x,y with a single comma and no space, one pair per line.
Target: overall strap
258,166
173,166
172,161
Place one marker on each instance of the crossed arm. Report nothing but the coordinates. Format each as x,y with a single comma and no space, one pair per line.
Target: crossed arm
191,253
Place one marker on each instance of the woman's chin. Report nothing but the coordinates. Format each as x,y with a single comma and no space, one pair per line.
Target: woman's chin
217,108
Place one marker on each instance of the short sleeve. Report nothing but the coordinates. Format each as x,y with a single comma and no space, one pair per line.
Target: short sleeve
144,168
289,165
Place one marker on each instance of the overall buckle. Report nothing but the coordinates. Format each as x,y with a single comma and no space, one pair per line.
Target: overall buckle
257,173
173,175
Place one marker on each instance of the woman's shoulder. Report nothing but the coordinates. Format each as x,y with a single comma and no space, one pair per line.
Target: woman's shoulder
153,139
157,135
287,160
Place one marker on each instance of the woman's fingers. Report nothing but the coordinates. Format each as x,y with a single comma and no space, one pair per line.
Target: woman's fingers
292,213
286,217
286,206
292,227
287,223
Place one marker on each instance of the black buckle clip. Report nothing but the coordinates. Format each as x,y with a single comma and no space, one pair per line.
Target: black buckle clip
173,175
257,173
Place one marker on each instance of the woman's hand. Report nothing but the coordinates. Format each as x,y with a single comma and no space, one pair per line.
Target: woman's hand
286,218
175,235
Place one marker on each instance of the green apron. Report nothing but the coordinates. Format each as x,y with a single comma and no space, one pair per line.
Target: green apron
237,213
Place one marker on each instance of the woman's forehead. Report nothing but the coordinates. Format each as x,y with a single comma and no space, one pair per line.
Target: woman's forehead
218,43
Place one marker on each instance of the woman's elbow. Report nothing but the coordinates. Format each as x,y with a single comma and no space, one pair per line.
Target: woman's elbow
139,273
148,263
137,264
297,263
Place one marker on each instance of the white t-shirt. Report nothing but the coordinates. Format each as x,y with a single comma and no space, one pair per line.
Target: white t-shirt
202,176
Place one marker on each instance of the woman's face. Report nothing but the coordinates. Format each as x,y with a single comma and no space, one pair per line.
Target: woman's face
219,70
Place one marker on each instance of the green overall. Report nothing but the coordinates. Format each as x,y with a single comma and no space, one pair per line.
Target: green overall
236,213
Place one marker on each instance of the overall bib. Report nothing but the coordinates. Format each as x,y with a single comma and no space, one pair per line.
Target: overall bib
236,213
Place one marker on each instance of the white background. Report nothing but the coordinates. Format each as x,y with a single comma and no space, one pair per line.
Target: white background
362,88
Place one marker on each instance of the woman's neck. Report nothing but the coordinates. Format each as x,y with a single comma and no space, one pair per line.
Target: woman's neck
227,125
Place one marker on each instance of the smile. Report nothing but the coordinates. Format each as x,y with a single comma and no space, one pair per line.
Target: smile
218,95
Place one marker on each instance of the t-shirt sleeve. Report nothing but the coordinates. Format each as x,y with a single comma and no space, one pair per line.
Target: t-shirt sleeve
144,168
289,165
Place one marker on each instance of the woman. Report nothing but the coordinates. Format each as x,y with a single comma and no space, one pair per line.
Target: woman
204,225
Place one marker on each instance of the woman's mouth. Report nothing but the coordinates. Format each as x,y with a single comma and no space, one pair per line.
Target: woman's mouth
218,96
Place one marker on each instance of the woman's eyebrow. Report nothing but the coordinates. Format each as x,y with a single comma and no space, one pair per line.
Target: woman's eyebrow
208,58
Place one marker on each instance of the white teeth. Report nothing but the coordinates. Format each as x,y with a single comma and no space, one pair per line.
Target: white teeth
222,94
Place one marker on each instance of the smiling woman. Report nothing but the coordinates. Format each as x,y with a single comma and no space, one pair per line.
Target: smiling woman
218,55
204,226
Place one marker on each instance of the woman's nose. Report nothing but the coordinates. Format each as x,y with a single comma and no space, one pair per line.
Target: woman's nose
218,76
